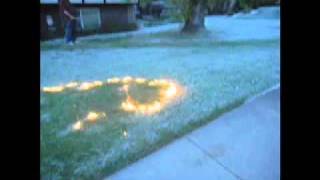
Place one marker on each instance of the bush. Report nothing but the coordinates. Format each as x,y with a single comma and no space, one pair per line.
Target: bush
217,6
246,5
143,3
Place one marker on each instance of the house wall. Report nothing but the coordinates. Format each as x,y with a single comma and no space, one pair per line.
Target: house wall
114,18
117,18
56,30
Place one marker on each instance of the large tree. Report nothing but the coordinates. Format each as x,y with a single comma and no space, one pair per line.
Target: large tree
193,13
194,17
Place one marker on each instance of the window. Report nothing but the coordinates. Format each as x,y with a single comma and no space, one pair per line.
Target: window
90,19
49,20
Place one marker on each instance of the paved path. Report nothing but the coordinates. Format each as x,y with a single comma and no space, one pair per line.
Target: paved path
242,144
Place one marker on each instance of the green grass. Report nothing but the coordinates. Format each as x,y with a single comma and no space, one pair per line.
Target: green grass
101,148
163,39
66,108
62,150
161,21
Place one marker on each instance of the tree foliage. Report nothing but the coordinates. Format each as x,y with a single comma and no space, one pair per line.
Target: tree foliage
143,3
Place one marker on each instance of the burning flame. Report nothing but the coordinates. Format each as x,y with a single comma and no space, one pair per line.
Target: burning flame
113,80
155,107
127,79
97,83
140,80
90,85
85,86
53,89
72,85
171,91
128,106
168,91
93,116
78,125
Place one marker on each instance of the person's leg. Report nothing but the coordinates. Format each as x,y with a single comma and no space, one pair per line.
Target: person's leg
73,27
68,33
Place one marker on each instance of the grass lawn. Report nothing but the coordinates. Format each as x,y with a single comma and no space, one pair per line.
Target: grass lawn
61,143
217,77
162,39
64,148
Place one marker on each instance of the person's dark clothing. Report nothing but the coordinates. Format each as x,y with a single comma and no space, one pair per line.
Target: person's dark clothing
69,24
66,5
70,31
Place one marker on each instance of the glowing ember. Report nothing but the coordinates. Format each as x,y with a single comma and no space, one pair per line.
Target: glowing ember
53,89
72,85
152,83
155,107
87,85
97,83
127,79
125,134
77,126
140,80
171,91
142,109
113,80
161,82
92,116
128,106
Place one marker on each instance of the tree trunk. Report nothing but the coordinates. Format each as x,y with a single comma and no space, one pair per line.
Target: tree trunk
195,21
231,7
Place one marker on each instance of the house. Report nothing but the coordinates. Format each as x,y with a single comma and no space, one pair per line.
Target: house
95,16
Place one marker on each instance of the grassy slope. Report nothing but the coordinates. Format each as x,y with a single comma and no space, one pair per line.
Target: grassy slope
215,85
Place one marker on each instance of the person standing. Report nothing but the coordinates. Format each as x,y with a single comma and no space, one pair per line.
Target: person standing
68,15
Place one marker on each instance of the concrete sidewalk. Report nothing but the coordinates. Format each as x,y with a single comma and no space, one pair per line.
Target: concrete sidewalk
242,144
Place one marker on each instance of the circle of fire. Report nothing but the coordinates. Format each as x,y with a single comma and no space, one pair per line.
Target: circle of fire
169,91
